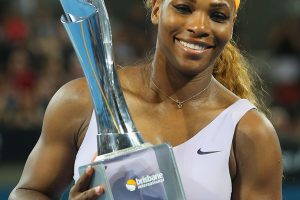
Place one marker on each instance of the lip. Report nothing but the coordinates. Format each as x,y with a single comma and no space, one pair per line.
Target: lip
193,47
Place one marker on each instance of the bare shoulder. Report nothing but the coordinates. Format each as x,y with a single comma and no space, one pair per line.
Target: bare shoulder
256,136
255,127
258,157
75,92
72,103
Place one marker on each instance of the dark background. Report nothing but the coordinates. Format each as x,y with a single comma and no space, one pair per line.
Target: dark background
36,59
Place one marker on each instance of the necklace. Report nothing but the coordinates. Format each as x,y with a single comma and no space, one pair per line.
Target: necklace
180,103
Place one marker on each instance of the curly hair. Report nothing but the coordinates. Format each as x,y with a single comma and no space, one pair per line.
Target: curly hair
233,71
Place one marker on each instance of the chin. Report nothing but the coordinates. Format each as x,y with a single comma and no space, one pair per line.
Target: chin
191,72
193,69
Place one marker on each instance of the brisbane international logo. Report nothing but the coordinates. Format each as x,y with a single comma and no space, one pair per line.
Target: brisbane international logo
131,185
144,181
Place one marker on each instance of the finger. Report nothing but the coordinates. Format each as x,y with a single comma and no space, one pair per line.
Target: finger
92,193
84,181
94,157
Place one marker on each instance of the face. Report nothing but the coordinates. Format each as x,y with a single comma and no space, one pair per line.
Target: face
192,33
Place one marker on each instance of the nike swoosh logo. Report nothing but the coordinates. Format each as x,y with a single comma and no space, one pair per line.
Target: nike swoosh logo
200,152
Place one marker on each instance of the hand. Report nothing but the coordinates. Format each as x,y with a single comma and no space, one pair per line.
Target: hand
81,188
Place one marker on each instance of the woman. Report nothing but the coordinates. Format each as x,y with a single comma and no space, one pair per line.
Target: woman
193,95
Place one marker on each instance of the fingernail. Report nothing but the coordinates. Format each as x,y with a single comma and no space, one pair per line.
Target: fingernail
88,170
99,190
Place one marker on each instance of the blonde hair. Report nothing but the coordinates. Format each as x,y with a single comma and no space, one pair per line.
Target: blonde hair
148,4
233,71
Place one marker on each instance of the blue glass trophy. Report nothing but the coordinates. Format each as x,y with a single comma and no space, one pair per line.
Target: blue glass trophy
127,167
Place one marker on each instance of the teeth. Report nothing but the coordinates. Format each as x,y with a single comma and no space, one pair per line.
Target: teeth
193,46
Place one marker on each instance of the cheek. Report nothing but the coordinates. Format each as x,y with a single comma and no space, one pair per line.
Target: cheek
167,28
168,25
223,34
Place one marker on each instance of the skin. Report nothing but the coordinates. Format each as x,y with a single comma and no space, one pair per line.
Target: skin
255,160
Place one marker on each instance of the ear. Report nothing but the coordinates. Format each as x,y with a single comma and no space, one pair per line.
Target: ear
234,18
155,11
233,25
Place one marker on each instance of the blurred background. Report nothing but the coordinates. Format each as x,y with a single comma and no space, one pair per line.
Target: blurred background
36,58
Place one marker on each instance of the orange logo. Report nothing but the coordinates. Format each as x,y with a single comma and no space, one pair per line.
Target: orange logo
131,185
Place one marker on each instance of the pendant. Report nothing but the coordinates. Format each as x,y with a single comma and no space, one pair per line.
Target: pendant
179,104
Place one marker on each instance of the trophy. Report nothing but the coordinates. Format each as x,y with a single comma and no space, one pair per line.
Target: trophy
126,165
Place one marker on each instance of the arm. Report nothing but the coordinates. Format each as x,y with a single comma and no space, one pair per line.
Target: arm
49,167
258,157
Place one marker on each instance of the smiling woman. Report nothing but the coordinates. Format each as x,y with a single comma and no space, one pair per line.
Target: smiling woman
231,68
196,94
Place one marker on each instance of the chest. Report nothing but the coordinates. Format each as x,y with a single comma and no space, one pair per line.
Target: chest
175,126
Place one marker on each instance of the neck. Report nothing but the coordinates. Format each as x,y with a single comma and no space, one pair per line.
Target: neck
168,83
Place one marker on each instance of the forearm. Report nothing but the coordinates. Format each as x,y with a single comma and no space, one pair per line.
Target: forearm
26,194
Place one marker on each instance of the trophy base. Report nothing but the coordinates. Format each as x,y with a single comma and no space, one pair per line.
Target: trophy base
143,172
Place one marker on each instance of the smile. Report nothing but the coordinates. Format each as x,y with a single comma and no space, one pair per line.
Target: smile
196,48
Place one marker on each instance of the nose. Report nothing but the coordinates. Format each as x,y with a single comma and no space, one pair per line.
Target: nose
198,24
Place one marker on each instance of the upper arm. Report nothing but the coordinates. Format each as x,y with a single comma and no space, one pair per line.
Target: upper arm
258,157
49,167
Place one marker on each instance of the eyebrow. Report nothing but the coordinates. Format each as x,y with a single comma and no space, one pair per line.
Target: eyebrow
220,5
215,4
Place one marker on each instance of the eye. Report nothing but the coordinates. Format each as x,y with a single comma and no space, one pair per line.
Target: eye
182,8
219,17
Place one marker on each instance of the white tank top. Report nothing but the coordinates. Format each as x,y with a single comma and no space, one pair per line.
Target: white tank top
203,160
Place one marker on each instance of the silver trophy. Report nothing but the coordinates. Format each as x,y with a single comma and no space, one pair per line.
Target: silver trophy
128,167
